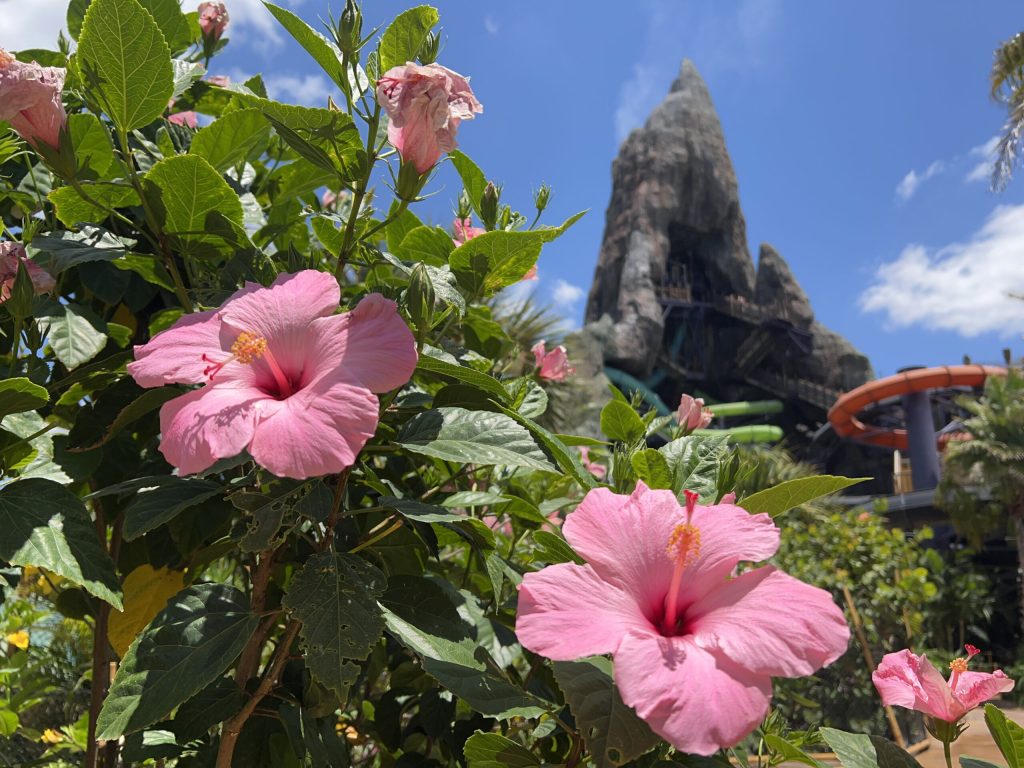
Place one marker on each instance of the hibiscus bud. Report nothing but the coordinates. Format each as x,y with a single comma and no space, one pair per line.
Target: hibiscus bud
19,302
692,414
20,279
350,29
541,198
213,21
489,205
410,181
420,299
30,100
464,208
430,48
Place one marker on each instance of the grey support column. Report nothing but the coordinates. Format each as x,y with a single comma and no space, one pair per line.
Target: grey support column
924,454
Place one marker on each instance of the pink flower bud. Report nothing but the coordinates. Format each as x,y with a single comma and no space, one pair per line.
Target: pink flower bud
729,498
553,365
213,20
464,231
189,119
30,99
692,414
10,255
425,105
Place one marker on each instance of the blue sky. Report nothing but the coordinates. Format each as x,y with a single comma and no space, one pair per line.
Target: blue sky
854,129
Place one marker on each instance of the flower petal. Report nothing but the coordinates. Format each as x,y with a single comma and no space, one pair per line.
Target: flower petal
287,307
567,612
695,700
317,431
974,688
371,345
175,356
623,538
207,424
770,623
906,680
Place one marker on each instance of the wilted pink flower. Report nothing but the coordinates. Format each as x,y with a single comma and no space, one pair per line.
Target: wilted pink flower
694,647
531,273
425,105
190,119
282,375
906,680
213,20
464,231
692,414
553,365
30,99
11,254
597,470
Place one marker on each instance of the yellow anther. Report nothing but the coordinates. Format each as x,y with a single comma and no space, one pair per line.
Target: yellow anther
684,544
248,347
958,665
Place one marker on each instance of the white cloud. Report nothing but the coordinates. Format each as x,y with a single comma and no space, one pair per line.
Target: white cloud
636,98
913,180
566,294
491,25
983,169
309,90
961,287
31,25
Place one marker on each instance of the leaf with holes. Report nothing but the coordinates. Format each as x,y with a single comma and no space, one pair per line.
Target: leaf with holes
613,732
335,598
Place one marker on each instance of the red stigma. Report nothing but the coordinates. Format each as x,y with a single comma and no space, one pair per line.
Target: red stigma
691,502
972,651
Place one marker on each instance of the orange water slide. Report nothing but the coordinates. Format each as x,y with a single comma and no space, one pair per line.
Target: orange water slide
843,415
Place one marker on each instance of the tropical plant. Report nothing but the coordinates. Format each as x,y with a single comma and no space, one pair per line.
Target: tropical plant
1007,87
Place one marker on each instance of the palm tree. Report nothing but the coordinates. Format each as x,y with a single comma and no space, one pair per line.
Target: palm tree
1008,87
990,465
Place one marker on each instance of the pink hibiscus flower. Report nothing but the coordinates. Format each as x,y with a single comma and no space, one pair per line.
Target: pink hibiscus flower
692,414
695,647
213,20
30,99
465,231
282,375
425,105
907,680
12,254
553,365
190,119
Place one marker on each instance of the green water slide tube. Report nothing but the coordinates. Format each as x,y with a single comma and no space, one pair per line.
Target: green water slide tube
757,433
746,408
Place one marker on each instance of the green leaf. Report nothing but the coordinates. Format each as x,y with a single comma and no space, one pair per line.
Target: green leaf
694,461
124,59
789,752
891,756
466,375
231,138
620,422
400,227
193,203
431,245
20,395
552,548
975,762
568,460
73,209
214,704
1008,736
324,52
172,22
9,723
854,750
492,750
335,598
145,403
153,507
267,512
473,178
187,646
94,152
613,732
61,251
475,437
185,75
792,493
495,260
423,616
651,467
402,40
44,524
75,333
76,12
149,268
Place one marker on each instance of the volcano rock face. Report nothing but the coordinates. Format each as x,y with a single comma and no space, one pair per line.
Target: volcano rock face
676,278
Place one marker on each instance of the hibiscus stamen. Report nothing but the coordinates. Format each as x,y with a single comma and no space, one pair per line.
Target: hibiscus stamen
246,349
683,549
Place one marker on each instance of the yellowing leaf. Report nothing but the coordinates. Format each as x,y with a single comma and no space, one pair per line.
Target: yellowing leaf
146,592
